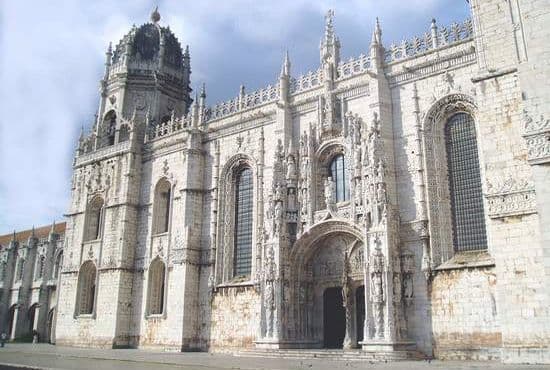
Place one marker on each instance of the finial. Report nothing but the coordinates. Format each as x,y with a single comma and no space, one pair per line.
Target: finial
241,90
32,232
378,32
186,53
434,23
81,137
52,230
155,15
13,237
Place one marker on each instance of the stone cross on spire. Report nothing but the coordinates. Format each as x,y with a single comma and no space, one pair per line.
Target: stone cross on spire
155,15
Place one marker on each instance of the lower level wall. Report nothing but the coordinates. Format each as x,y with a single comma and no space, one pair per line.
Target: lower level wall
235,318
464,314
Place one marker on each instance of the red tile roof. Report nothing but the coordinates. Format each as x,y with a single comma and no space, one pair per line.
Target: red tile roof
39,232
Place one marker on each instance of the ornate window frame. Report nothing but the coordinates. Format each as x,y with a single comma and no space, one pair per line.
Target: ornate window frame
436,175
323,159
226,218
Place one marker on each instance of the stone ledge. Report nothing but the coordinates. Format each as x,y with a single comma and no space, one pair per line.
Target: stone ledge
464,260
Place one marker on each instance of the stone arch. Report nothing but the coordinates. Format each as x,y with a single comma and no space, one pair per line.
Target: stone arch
436,172
318,264
226,215
58,263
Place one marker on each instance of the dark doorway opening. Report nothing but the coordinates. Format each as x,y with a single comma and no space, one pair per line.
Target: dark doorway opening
360,312
334,318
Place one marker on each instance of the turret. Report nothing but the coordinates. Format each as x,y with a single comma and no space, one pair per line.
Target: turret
202,104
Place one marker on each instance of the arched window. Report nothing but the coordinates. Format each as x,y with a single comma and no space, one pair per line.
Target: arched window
123,133
242,260
156,287
40,266
465,184
94,219
86,288
161,207
340,178
107,130
57,266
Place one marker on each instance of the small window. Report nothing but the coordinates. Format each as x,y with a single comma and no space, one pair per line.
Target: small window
340,178
242,265
156,287
86,288
465,184
94,219
161,208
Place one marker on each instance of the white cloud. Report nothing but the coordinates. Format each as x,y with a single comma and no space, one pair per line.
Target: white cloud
52,56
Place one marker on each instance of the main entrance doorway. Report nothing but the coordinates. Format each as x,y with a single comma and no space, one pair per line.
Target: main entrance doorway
334,318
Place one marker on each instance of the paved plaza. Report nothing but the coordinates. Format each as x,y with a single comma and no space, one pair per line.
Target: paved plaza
43,356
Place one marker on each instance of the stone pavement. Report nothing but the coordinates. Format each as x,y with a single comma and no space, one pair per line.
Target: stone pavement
43,356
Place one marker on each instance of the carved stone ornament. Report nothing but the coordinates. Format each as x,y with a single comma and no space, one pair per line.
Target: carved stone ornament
537,137
510,195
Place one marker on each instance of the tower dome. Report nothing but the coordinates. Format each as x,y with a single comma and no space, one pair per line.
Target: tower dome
152,44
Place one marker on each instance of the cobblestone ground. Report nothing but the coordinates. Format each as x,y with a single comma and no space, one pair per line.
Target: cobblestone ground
17,356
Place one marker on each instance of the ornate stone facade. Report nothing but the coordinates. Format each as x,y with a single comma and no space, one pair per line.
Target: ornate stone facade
318,211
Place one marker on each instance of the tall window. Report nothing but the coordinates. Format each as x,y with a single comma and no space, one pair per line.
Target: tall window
339,176
156,287
161,207
243,223
465,184
86,288
3,274
94,216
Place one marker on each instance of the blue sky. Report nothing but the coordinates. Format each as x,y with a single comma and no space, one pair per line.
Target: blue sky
52,55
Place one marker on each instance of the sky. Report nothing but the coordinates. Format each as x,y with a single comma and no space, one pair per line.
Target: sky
52,56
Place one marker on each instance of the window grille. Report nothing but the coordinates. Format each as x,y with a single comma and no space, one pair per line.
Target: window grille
465,184
243,223
340,178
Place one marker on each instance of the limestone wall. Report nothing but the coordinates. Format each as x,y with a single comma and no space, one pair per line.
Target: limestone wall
465,318
235,318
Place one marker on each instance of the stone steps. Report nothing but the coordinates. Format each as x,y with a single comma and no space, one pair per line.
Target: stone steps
340,355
